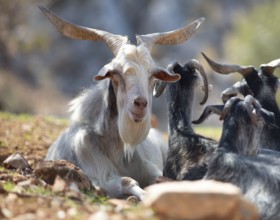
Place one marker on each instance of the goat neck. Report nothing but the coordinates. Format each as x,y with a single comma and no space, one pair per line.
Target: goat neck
180,96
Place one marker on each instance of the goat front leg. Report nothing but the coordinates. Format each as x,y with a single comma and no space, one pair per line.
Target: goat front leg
131,187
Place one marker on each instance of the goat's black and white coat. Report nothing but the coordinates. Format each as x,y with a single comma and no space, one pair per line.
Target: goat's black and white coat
188,151
237,160
109,137
260,83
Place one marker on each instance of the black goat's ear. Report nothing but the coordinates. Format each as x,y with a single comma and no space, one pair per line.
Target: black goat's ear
268,117
209,110
165,75
175,68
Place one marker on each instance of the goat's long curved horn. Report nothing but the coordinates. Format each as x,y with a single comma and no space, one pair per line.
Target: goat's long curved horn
253,107
270,67
227,107
210,109
171,37
267,116
201,70
68,29
250,100
228,68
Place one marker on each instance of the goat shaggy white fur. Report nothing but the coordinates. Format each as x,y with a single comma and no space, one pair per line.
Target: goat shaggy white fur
93,143
109,137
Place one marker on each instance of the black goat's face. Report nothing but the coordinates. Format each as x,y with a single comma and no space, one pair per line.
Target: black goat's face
270,84
243,124
190,76
246,119
259,84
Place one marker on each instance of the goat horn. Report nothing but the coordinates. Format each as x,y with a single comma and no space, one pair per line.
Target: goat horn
171,37
159,88
227,107
267,116
228,68
208,110
250,100
201,70
114,42
270,67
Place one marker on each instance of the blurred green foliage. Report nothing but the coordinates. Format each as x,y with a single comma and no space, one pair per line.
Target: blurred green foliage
254,39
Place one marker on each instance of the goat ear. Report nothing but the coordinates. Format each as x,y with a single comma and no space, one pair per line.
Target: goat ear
175,67
165,75
106,72
209,110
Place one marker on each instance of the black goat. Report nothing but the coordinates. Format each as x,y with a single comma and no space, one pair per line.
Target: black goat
235,160
260,83
188,151
243,123
257,177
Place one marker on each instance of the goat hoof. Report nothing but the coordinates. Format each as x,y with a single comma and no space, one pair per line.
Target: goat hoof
133,200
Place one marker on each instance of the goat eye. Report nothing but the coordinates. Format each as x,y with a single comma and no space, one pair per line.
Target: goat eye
118,79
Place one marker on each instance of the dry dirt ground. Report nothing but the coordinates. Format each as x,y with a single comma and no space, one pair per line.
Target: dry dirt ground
24,195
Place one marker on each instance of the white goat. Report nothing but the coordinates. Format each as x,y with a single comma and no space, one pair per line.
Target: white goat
109,137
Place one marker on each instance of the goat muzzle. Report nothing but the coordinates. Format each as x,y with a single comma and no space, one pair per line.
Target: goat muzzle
139,109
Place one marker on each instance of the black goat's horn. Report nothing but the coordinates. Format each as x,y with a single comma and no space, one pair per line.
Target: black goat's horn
201,70
250,100
227,107
208,110
159,87
228,68
270,67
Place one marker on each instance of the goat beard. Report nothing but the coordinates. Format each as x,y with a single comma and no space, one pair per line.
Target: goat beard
132,133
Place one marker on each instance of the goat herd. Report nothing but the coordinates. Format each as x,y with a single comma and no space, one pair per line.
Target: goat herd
110,136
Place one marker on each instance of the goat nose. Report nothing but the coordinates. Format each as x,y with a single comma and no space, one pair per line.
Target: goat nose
140,102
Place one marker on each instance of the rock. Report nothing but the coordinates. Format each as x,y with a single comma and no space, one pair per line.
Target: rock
70,190
29,216
133,200
59,185
2,189
99,215
14,178
162,179
119,204
200,200
48,170
18,162
32,181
